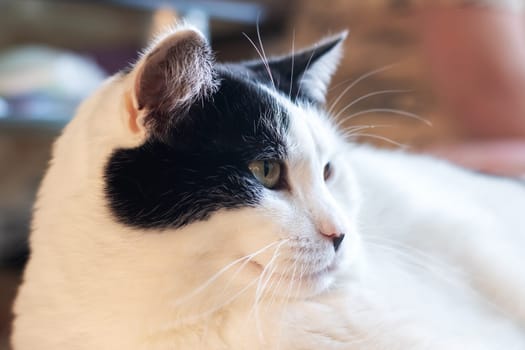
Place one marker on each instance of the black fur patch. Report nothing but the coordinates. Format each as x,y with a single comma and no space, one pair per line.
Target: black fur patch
202,166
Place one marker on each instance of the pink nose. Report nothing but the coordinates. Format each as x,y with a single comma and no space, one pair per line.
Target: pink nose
337,238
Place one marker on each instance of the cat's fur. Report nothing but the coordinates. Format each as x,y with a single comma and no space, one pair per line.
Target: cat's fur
148,209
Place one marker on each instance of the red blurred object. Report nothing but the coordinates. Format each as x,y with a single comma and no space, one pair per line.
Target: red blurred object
476,58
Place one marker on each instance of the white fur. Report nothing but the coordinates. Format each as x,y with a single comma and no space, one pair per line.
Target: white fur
431,259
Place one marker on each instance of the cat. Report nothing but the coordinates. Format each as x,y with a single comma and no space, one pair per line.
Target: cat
197,205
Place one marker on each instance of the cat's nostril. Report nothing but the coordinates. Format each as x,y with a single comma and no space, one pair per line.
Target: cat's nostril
337,240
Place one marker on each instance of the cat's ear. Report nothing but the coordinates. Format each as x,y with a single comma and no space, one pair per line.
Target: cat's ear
172,74
305,74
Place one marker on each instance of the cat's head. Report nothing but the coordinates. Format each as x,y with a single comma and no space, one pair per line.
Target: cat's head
227,175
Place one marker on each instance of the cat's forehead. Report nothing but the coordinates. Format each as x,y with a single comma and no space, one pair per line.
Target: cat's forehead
241,118
309,131
240,91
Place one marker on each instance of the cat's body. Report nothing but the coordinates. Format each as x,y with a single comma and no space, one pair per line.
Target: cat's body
430,257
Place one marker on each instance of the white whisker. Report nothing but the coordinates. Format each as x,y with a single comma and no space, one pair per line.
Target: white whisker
213,278
411,256
288,294
301,275
293,59
274,287
387,110
268,70
216,308
371,94
354,129
261,288
265,58
305,70
383,138
355,82
235,274
265,277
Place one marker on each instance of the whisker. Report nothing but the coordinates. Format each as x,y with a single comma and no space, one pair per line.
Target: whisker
292,279
339,84
286,298
213,278
305,70
353,130
255,308
415,257
383,138
216,308
268,70
356,81
438,269
371,94
301,275
293,59
403,250
424,259
387,110
260,288
265,59
239,269
274,287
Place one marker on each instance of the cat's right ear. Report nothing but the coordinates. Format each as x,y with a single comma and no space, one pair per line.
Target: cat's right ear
172,74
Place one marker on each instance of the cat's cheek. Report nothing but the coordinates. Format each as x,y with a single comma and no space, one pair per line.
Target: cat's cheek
289,221
255,232
344,189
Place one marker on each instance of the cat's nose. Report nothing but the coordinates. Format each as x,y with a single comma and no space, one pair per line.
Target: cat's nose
337,238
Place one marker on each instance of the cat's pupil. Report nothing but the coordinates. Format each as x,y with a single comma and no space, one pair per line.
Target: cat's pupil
266,168
327,171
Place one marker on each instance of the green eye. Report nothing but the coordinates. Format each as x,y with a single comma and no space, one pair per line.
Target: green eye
267,172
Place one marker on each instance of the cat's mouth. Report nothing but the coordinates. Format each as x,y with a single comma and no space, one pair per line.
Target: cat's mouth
325,271
300,273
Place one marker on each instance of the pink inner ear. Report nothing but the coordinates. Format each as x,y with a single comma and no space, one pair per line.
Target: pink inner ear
176,72
151,82
132,113
170,71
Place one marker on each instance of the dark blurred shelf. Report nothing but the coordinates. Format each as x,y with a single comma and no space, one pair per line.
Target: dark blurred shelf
235,11
16,124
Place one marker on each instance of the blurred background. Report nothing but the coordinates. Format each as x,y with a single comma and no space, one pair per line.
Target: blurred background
445,78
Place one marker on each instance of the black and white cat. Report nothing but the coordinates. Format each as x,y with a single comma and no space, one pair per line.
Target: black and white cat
196,205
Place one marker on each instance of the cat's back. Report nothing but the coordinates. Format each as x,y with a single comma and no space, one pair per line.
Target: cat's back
424,185
455,233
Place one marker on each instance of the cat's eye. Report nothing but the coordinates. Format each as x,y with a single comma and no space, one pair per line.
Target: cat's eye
327,173
267,172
